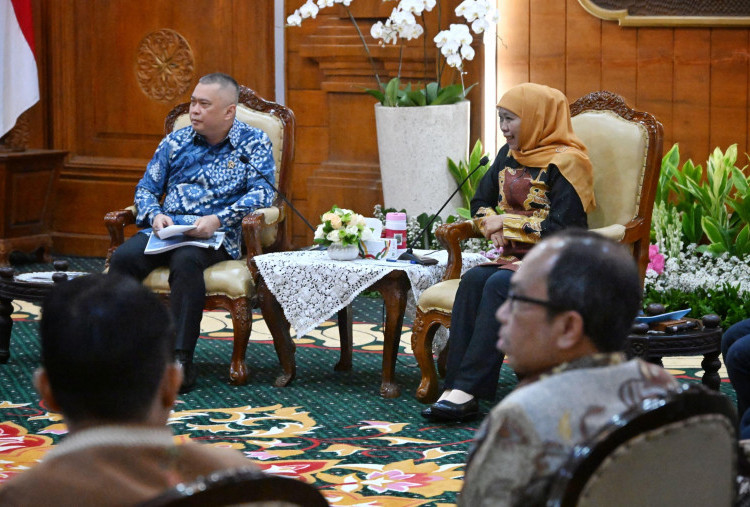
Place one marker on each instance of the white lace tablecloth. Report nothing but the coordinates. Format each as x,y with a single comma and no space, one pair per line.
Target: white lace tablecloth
311,288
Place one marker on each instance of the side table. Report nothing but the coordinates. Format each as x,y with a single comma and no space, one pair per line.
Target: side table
303,289
393,287
32,287
704,341
27,189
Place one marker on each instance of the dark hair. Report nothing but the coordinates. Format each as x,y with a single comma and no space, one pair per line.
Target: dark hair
224,81
598,278
106,341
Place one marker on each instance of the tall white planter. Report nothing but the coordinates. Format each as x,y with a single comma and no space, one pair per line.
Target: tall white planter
414,144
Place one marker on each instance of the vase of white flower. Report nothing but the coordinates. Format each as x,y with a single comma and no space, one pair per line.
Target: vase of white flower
341,231
419,125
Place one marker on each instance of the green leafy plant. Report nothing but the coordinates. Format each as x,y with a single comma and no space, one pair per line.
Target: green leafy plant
724,300
461,170
713,207
395,95
671,192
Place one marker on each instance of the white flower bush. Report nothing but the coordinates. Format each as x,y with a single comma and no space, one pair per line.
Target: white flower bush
454,43
691,270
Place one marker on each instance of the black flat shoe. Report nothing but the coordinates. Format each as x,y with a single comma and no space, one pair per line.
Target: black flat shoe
189,372
190,375
446,411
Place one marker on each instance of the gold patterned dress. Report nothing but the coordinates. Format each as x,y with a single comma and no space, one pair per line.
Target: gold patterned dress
534,201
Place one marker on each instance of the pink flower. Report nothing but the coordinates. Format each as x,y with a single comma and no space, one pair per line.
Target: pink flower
655,259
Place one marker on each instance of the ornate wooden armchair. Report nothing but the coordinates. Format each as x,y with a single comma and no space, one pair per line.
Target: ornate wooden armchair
678,450
625,147
231,284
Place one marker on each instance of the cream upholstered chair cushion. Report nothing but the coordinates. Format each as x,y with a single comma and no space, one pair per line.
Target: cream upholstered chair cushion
439,296
675,449
689,462
618,149
230,278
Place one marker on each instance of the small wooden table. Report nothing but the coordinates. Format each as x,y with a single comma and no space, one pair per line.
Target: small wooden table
394,288
291,286
704,341
32,287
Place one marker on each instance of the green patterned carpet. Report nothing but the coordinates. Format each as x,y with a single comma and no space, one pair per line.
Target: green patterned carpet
327,428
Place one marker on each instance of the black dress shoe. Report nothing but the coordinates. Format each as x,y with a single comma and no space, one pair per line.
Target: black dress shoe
445,411
189,372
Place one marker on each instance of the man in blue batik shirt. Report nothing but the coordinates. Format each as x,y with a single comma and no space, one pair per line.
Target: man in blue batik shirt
197,177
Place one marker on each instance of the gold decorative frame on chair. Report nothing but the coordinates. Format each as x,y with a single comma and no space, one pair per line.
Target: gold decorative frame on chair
625,180
231,284
246,487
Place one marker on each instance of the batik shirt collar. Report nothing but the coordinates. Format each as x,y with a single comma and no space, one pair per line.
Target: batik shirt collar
233,135
592,361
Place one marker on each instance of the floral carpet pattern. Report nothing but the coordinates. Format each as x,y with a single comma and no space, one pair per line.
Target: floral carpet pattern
328,428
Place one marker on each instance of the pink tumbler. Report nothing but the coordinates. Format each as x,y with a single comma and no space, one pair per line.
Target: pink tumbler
395,227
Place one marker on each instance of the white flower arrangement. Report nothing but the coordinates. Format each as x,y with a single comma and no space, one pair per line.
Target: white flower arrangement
691,270
342,227
454,44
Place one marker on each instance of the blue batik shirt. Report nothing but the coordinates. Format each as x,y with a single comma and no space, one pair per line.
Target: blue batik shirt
196,179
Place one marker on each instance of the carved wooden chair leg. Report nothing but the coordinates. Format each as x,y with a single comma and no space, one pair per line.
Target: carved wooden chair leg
243,324
346,331
421,343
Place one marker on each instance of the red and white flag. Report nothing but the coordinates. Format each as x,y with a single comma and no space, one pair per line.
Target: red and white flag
19,84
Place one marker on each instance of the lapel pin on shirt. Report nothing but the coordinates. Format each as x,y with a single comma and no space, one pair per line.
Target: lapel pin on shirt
230,164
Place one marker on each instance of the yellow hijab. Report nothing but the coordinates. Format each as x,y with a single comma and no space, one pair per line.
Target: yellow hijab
547,136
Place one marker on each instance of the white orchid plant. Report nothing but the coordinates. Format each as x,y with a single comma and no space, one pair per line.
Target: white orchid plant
402,25
342,227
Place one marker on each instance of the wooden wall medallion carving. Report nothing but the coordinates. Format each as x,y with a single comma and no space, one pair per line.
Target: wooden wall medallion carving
671,12
164,65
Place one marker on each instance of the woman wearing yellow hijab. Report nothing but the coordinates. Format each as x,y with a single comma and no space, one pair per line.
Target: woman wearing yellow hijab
541,182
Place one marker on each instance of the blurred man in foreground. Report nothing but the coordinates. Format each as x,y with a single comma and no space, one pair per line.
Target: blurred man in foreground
107,366
568,312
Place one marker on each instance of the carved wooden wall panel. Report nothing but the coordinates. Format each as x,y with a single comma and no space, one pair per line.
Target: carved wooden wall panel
96,108
327,69
694,80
